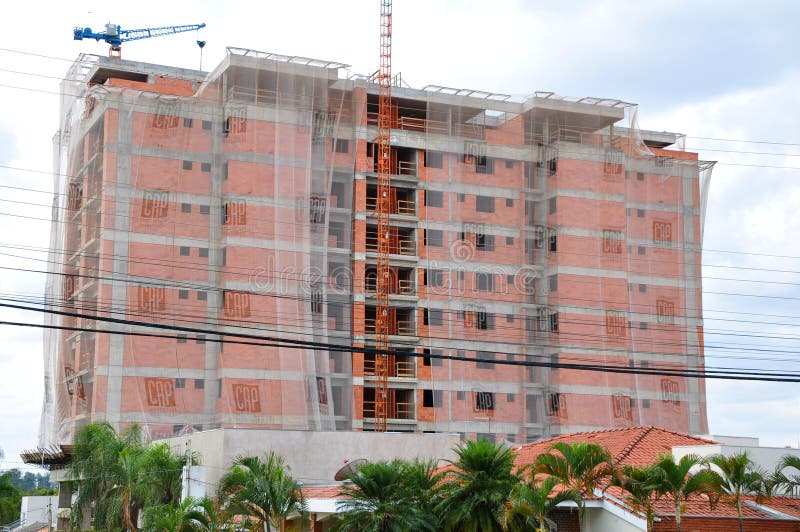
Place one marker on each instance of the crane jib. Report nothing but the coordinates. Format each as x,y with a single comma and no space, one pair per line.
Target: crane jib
115,35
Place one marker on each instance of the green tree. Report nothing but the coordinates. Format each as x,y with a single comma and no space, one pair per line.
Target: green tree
579,467
118,476
680,483
191,515
531,502
783,480
381,498
164,468
736,476
641,485
475,492
10,499
96,453
420,481
262,490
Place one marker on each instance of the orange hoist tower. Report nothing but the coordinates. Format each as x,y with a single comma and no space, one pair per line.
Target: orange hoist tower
383,143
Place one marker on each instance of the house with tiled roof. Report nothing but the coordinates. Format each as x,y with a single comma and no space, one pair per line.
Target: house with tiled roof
607,511
639,446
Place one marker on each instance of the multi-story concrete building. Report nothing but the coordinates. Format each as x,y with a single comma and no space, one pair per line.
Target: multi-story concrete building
532,239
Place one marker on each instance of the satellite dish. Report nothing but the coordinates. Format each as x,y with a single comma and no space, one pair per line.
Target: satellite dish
348,469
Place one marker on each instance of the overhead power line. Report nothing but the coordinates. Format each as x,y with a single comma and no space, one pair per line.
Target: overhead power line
322,346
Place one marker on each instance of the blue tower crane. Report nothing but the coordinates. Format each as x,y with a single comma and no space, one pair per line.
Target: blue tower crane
115,35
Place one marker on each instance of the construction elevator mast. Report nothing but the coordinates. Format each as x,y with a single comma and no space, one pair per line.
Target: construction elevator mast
383,143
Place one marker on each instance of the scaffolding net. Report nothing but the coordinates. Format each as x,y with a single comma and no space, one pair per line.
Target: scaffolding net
531,239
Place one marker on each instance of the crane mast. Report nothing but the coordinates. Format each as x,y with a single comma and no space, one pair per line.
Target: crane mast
383,143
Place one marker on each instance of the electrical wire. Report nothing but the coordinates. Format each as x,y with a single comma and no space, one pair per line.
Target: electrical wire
323,346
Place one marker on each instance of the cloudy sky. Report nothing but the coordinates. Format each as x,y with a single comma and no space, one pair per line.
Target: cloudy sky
713,70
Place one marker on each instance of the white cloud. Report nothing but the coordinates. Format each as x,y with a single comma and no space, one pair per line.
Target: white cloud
752,210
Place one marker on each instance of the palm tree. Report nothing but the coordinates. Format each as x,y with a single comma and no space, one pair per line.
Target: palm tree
679,483
420,481
380,498
531,502
641,486
118,476
579,467
126,497
165,471
737,476
783,481
475,495
262,490
96,455
191,515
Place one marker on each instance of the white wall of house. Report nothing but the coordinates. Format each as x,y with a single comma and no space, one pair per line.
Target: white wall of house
766,457
39,509
606,519
313,457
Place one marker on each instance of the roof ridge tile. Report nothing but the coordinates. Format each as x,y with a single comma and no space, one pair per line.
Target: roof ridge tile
628,449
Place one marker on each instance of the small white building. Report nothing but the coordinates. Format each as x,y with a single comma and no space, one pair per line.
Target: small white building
39,510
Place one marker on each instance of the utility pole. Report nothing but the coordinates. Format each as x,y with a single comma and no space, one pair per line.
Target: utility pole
188,468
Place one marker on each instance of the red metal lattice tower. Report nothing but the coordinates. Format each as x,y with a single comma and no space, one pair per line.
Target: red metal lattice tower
383,144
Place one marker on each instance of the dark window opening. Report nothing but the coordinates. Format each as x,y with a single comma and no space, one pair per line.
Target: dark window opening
485,360
484,165
484,281
434,198
433,237
484,401
552,283
484,242
432,398
433,159
484,320
341,145
484,203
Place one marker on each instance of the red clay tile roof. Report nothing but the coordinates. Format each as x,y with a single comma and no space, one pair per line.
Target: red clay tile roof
628,446
787,505
698,506
321,492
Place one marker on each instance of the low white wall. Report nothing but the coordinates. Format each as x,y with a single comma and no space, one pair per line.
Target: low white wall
313,457
766,457
39,509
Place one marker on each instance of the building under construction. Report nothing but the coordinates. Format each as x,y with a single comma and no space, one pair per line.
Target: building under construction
544,256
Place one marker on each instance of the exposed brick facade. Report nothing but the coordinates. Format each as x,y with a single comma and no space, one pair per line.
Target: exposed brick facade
522,231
